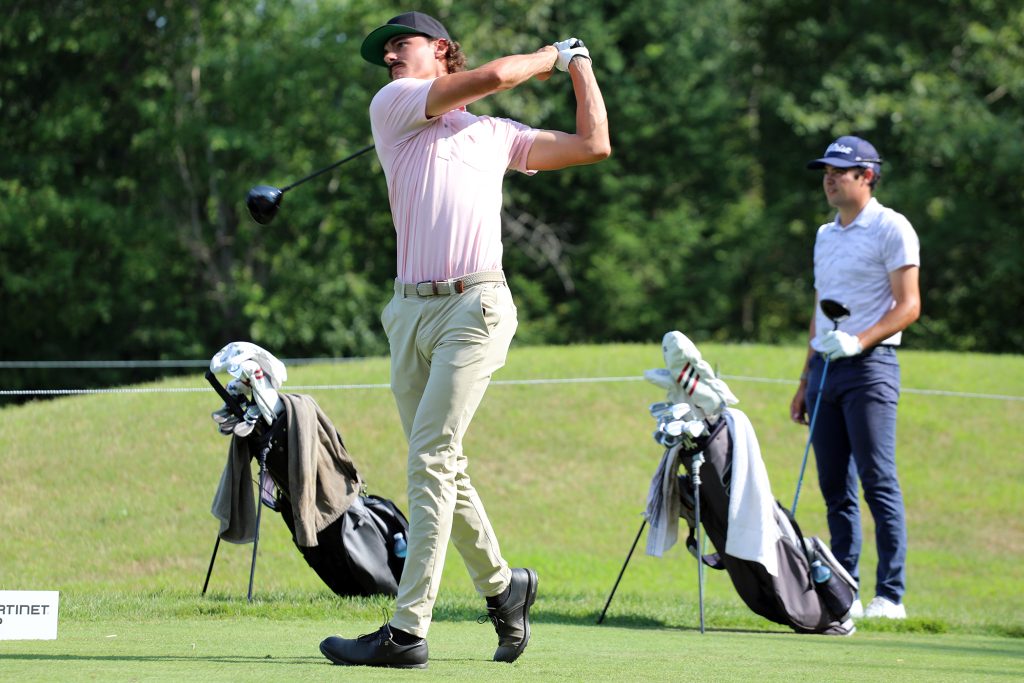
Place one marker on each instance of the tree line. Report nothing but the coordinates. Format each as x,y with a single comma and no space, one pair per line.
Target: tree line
133,130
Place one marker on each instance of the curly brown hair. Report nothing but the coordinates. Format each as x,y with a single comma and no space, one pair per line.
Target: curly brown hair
455,59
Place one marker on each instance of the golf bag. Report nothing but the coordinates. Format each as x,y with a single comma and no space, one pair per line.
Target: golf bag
360,552
812,592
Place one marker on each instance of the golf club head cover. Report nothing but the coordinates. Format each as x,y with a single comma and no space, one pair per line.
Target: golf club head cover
259,369
231,357
237,387
660,377
694,380
265,396
839,344
567,49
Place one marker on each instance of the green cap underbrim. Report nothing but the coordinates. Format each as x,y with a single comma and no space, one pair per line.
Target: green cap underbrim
372,49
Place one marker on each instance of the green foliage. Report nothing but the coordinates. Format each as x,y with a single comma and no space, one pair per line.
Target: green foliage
938,88
132,132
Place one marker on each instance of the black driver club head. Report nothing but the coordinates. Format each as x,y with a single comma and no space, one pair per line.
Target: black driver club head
263,202
834,311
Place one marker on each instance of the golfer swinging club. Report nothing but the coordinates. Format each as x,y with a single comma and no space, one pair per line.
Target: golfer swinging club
452,318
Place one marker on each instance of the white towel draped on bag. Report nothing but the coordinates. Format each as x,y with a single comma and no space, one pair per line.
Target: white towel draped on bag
752,533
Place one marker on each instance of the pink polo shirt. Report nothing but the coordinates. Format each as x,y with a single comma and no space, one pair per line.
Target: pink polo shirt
444,180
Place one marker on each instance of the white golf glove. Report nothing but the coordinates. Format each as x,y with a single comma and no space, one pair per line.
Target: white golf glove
839,344
567,49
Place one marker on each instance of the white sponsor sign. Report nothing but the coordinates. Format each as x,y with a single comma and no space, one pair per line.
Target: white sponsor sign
28,615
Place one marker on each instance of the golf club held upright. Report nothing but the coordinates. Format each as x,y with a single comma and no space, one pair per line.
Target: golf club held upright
836,312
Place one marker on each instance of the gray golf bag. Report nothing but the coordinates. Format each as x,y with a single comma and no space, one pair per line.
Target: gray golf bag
812,593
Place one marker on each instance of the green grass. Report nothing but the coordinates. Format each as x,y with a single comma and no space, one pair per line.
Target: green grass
106,498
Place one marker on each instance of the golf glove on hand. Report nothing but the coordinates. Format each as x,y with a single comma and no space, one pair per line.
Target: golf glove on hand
839,344
567,49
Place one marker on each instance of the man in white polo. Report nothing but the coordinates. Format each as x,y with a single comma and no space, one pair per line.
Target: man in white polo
867,259
452,317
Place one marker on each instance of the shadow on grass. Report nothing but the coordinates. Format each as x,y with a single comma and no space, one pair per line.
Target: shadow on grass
629,620
570,609
266,659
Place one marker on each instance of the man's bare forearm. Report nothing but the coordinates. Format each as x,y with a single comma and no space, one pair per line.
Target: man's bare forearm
456,90
516,69
591,114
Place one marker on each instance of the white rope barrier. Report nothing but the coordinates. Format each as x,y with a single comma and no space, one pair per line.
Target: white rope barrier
507,382
82,364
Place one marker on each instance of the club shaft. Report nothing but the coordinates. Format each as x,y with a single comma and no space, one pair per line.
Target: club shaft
333,166
810,433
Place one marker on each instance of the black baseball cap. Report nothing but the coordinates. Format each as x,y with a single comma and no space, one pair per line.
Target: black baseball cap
410,22
847,152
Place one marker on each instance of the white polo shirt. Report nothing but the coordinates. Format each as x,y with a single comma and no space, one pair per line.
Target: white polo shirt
444,178
852,266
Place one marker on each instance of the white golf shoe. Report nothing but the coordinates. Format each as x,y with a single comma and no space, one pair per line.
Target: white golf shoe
857,609
881,607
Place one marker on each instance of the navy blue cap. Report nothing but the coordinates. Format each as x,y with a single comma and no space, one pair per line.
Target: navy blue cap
417,23
847,152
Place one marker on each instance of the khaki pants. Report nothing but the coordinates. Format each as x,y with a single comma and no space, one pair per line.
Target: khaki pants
444,350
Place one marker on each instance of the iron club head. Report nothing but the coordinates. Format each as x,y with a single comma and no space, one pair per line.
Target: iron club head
263,202
834,311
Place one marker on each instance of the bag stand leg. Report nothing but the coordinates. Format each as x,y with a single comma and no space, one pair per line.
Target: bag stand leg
212,558
698,460
259,513
622,571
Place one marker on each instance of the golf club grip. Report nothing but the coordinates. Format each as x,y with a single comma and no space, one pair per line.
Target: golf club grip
230,401
336,164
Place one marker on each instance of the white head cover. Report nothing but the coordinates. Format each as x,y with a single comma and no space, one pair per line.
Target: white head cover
255,367
232,356
693,380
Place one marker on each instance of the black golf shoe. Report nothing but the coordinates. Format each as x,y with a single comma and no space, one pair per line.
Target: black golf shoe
376,649
511,618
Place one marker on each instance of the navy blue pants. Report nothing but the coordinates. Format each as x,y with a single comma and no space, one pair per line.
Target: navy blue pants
855,438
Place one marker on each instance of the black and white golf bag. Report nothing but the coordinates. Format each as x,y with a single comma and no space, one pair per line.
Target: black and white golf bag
355,542
812,592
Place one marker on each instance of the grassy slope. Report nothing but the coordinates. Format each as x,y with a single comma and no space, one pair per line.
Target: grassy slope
107,496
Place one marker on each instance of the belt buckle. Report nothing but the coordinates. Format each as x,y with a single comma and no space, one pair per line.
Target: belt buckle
435,290
454,286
